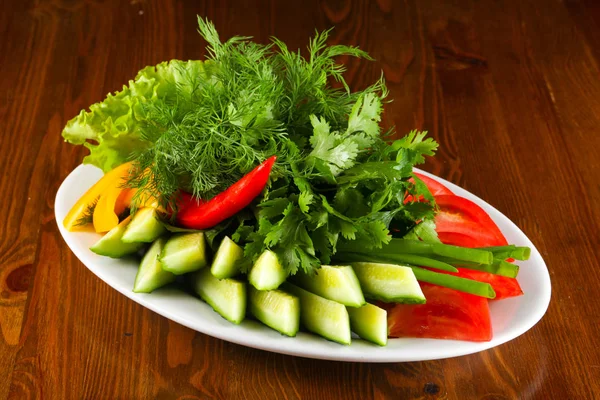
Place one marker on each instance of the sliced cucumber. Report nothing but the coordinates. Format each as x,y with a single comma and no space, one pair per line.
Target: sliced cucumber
144,227
324,317
111,245
184,252
370,323
151,275
267,273
225,296
276,309
388,282
334,283
227,259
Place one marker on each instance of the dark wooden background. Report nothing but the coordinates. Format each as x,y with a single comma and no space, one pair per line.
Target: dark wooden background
510,89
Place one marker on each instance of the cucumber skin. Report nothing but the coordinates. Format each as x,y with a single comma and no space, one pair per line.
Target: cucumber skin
255,298
363,322
161,277
204,278
111,245
310,321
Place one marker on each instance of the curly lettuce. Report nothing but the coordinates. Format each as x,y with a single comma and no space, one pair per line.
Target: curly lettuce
111,129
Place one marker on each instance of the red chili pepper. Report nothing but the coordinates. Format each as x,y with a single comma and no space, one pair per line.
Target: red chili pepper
197,214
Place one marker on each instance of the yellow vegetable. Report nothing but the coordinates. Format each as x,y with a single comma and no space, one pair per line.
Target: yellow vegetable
106,213
78,211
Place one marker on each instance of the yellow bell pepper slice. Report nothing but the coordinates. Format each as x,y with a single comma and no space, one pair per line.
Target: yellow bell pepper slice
71,221
106,213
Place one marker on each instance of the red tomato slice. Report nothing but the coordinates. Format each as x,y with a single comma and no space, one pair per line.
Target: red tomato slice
503,286
435,187
448,314
458,239
458,215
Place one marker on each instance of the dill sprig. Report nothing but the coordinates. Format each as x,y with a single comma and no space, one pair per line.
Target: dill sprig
88,215
250,101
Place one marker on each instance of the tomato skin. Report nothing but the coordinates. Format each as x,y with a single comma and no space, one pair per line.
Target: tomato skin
435,187
459,239
458,215
448,314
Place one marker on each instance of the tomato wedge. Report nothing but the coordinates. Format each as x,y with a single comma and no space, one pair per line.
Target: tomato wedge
435,187
459,239
448,314
461,216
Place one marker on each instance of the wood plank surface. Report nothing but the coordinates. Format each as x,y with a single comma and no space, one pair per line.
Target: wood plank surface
510,89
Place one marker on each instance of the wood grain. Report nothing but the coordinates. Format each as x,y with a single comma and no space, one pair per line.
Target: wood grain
510,89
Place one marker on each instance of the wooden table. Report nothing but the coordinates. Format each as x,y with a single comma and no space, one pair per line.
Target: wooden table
510,89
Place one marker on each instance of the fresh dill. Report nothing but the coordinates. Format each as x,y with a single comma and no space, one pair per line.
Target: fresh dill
88,215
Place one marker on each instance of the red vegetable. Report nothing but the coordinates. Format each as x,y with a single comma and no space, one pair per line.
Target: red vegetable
458,215
448,314
198,214
435,187
458,239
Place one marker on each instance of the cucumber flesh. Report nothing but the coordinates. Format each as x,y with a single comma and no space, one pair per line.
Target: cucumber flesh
144,227
151,275
267,272
324,317
370,323
111,245
184,252
226,261
389,282
225,296
337,283
276,309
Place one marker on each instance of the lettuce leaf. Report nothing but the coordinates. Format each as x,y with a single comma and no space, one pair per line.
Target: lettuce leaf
111,129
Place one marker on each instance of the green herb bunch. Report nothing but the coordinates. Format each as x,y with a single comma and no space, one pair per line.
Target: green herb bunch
200,126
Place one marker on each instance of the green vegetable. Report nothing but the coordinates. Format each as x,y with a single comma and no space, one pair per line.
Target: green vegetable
455,282
498,267
112,245
337,283
389,282
150,275
183,253
226,261
225,296
200,126
276,309
116,123
510,251
425,275
370,323
324,317
415,247
267,272
144,227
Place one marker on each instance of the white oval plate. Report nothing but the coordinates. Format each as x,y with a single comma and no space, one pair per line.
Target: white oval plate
510,317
